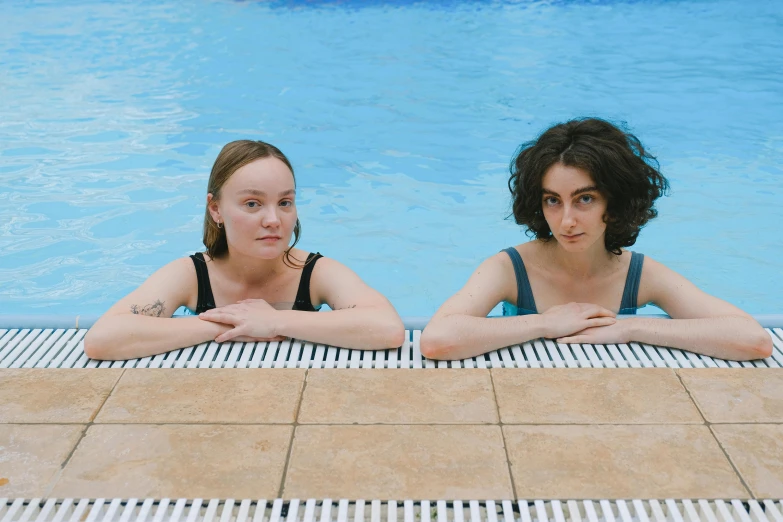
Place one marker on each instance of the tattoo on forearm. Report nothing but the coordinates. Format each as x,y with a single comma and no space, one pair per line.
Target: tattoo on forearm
347,307
155,309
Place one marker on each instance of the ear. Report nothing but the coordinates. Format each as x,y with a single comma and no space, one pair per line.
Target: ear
214,210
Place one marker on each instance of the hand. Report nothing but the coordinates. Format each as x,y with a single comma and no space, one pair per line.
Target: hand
616,333
572,318
249,320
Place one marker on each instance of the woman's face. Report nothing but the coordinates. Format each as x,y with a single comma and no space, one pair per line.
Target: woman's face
573,208
257,208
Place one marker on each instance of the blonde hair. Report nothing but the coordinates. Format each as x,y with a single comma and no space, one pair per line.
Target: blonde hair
232,157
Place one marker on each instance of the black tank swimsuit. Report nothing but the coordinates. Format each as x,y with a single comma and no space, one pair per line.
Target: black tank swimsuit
207,302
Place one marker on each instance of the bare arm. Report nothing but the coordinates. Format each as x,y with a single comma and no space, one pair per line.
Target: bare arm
360,317
700,322
140,324
461,328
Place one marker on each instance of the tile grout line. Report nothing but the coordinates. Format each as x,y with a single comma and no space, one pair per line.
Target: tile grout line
708,424
731,463
58,474
293,433
690,396
503,436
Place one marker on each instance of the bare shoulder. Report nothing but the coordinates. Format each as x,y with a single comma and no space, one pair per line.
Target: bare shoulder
171,286
496,277
498,265
655,272
327,267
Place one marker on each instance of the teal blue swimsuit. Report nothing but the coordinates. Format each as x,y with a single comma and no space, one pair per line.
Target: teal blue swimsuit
527,305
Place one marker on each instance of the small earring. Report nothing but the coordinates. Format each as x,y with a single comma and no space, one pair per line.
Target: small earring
219,224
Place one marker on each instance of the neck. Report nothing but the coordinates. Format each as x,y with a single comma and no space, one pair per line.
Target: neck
588,263
249,270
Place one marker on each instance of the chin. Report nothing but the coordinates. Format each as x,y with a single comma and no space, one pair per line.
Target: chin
577,246
269,252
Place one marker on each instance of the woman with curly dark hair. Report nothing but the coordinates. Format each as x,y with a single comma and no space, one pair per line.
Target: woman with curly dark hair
584,189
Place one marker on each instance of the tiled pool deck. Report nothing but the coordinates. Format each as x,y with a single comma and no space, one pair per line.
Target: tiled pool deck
392,434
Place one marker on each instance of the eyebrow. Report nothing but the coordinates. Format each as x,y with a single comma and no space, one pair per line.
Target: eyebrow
591,188
256,192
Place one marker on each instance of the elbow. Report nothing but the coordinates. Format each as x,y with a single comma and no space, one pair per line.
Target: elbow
394,334
760,347
95,345
435,345
757,345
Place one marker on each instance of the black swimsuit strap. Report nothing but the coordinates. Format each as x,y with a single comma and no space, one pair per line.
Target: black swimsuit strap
303,301
205,299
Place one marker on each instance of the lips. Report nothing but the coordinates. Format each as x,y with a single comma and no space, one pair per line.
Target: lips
270,238
573,236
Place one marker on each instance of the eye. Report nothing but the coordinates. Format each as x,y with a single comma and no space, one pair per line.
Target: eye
252,204
286,203
550,201
586,198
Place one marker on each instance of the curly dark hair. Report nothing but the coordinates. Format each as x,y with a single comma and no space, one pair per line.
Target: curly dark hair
624,172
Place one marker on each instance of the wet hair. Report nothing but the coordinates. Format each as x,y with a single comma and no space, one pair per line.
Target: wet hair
622,170
232,157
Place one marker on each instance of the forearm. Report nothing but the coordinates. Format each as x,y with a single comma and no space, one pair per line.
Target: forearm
129,336
462,336
728,337
365,328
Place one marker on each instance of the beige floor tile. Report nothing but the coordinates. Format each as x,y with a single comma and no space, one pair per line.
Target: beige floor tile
398,462
757,452
193,461
737,395
220,395
31,455
54,395
593,396
415,396
583,462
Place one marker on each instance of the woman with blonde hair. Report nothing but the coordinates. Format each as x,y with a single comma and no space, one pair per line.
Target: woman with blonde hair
249,285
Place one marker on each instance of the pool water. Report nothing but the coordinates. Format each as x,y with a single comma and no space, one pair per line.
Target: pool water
400,120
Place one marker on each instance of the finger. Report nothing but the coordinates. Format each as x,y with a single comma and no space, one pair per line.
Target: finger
219,317
598,311
229,335
601,321
228,309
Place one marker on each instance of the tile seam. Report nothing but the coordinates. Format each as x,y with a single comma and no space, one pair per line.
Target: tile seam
294,426
747,487
58,474
708,425
691,396
503,436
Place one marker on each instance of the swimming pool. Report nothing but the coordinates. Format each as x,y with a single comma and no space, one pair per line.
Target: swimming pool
400,120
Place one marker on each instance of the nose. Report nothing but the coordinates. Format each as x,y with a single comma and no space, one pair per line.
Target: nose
569,217
269,217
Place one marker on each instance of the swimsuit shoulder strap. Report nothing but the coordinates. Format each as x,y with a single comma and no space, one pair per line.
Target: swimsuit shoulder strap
630,299
525,300
303,301
205,299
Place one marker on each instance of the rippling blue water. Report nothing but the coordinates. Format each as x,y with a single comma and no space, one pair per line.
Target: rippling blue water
400,120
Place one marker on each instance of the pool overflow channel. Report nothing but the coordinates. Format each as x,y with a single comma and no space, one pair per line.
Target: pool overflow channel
327,510
64,348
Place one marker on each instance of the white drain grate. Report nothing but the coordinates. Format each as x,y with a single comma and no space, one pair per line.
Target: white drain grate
50,348
198,510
